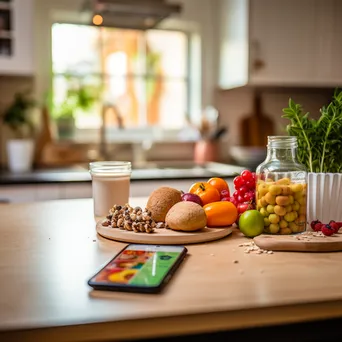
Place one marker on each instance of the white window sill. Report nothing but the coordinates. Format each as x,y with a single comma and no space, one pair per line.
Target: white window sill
131,135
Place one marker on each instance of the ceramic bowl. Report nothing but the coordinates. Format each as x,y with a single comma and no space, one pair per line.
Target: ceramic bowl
248,156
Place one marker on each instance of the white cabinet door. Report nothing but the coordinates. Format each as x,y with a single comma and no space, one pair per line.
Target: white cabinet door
294,43
282,38
328,66
336,44
20,62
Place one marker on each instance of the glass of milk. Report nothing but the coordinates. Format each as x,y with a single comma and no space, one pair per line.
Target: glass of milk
110,184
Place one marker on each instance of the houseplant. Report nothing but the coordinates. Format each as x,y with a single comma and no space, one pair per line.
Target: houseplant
78,96
20,147
320,149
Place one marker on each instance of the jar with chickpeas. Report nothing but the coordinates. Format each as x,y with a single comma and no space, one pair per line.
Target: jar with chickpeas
281,187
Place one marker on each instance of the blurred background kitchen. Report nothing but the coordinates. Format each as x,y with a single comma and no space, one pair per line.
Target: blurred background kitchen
185,89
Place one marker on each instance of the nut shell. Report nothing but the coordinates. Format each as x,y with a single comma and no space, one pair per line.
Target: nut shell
160,202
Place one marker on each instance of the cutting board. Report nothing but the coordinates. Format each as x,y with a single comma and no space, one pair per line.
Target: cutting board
292,243
164,236
255,128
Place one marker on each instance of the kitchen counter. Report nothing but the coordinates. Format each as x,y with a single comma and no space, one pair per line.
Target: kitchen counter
147,172
48,250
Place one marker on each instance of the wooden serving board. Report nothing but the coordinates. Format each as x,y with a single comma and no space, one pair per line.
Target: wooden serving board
291,243
164,236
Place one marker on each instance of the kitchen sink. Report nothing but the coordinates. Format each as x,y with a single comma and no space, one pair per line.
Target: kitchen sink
160,170
185,169
148,171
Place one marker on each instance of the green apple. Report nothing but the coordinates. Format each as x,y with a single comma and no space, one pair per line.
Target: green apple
251,223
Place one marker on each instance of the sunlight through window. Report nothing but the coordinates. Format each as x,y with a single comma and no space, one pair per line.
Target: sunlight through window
143,73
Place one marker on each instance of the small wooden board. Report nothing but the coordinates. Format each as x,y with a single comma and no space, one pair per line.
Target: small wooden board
164,236
291,243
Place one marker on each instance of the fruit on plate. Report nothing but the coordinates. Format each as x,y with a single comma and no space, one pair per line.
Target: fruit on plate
220,214
242,207
251,223
318,226
245,187
186,216
206,192
327,230
161,200
334,225
221,185
192,198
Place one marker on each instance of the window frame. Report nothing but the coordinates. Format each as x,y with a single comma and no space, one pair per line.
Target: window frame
88,134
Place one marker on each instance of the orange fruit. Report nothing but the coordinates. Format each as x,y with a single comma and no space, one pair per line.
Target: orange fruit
218,183
220,214
206,192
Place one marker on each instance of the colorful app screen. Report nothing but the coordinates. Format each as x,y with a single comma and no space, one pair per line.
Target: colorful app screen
138,267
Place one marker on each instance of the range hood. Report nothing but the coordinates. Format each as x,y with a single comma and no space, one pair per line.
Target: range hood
133,14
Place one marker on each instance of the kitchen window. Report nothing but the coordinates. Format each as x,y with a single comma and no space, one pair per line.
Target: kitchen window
141,77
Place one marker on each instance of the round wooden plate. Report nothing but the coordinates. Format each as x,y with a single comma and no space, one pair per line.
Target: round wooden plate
164,236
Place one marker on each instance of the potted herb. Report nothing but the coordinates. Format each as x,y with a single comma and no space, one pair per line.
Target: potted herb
78,97
320,149
20,148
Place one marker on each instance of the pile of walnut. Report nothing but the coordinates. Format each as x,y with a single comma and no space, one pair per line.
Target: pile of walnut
132,219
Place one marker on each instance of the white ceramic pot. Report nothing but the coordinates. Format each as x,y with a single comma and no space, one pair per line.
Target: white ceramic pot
324,197
20,155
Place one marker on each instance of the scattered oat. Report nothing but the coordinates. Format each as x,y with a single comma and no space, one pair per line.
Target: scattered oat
241,271
261,271
270,252
212,254
252,247
233,250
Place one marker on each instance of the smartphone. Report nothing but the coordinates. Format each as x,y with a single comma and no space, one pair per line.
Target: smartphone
139,268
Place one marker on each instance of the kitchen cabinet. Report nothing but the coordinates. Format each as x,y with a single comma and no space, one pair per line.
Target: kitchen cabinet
277,43
16,37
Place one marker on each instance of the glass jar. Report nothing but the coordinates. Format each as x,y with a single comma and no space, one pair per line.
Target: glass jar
110,184
281,187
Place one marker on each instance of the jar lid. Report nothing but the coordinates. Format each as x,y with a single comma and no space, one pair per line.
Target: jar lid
282,141
110,167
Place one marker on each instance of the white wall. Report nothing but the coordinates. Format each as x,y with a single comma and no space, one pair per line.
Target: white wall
198,17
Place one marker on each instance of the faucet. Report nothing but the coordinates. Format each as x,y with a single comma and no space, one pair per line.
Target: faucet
103,141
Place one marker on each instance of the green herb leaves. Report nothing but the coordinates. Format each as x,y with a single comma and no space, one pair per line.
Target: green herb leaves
319,141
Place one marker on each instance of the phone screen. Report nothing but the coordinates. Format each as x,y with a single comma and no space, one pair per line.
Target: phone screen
141,266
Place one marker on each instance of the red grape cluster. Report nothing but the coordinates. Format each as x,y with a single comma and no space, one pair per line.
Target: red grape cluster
244,194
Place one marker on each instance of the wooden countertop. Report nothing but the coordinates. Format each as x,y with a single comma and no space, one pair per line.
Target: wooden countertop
48,251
